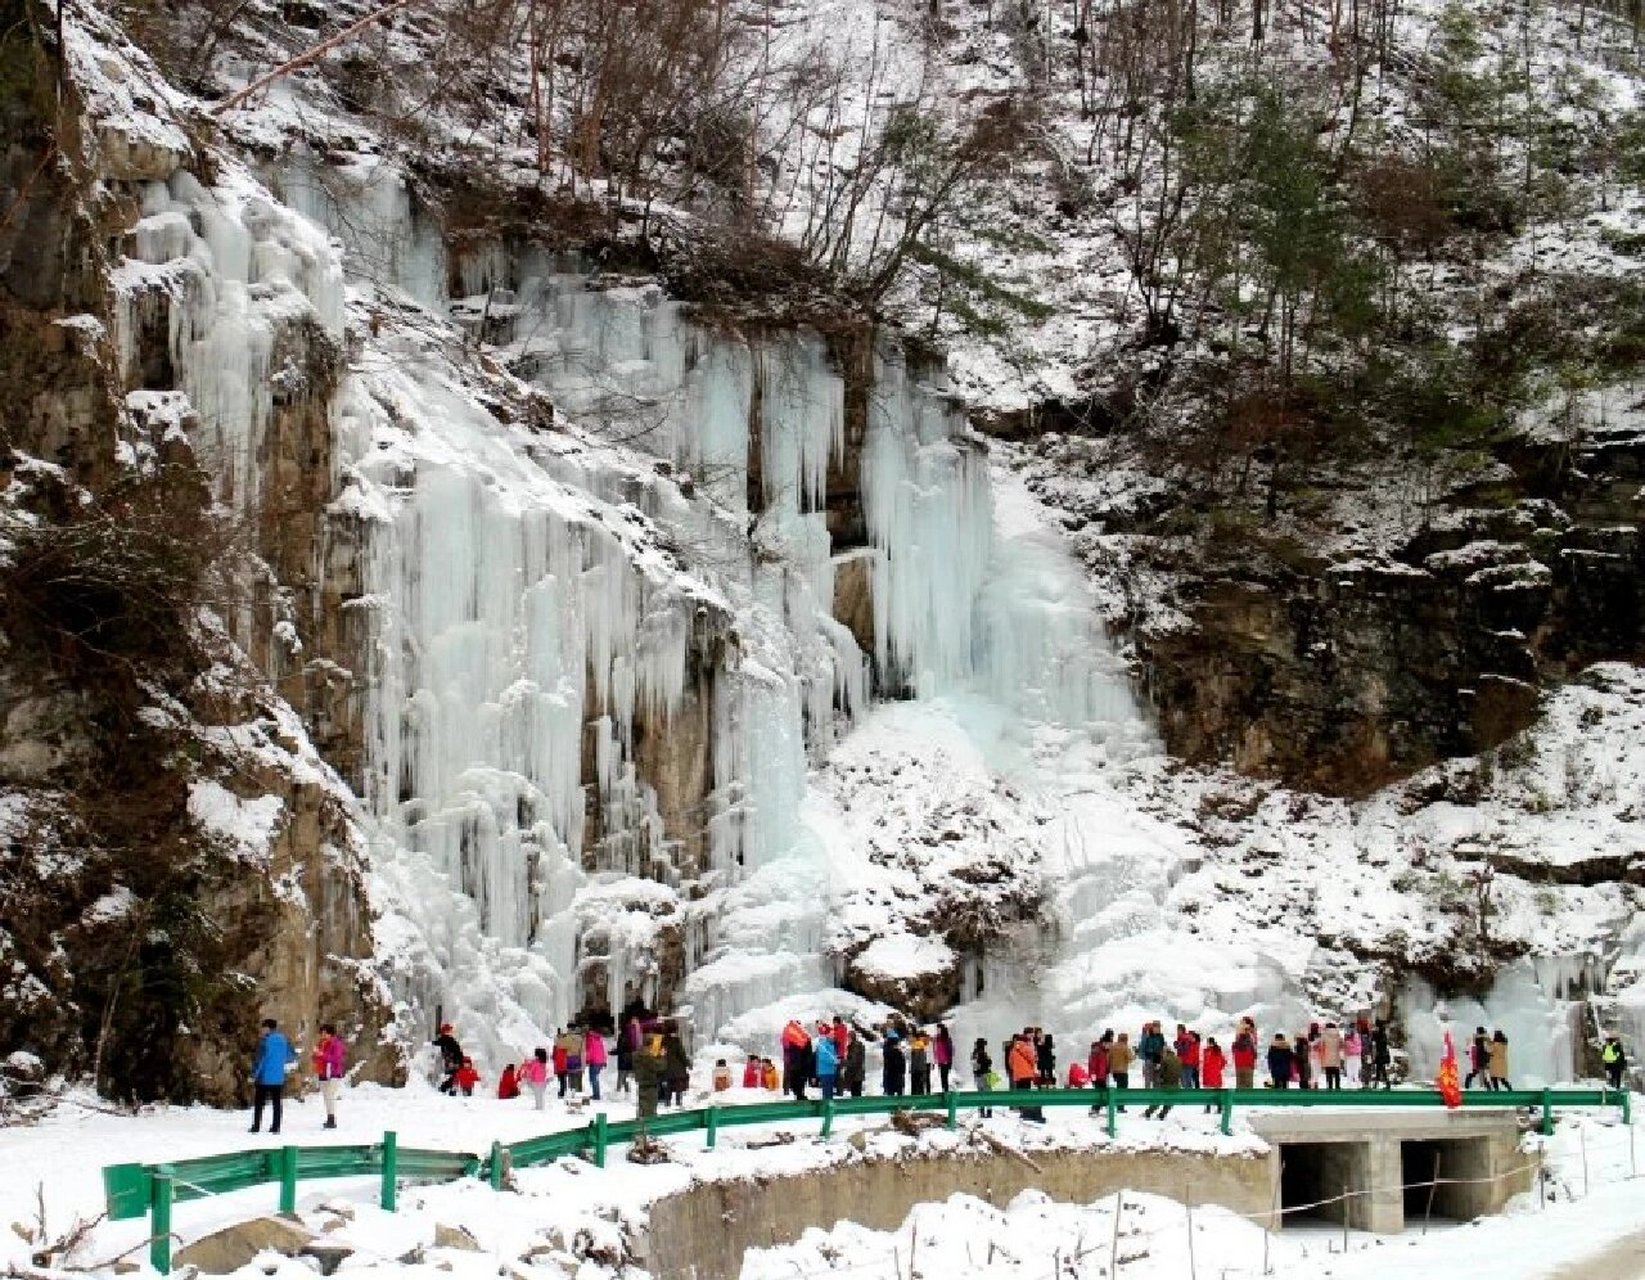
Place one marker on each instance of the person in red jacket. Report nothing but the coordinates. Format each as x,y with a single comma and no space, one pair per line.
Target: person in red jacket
1245,1055
1078,1076
467,1077
1188,1053
1212,1062
751,1073
1096,1064
560,1061
508,1084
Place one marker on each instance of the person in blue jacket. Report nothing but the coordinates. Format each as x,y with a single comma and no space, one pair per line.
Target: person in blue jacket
828,1065
268,1074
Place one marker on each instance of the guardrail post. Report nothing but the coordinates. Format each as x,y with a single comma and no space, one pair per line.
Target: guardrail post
160,1193
713,1125
288,1179
953,1110
1547,1114
496,1169
828,1116
1627,1109
391,1169
1113,1119
599,1140
1227,1113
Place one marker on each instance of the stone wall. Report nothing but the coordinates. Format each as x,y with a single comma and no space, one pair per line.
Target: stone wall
703,1233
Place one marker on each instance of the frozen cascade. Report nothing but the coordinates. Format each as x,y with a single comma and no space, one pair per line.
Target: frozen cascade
525,614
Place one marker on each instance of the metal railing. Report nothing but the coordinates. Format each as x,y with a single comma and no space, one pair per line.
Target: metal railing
133,1190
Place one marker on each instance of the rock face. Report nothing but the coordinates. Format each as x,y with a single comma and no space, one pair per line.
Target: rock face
1342,672
146,928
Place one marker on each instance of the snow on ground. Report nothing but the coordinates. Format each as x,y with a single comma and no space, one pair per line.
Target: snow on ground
1590,1200
575,1217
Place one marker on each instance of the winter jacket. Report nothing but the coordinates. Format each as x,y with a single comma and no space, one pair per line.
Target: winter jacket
1330,1049
842,1038
451,1053
1245,1052
828,1057
1351,1047
1188,1051
559,1058
1170,1069
768,1077
328,1058
594,1049
1045,1058
274,1055
856,1058
751,1074
981,1065
1120,1057
1479,1053
919,1054
794,1033
896,1066
1299,1058
1499,1059
467,1078
1280,1062
1212,1062
1097,1065
1611,1054
1021,1065
535,1071
508,1084
1379,1047
572,1044
1151,1046
942,1050
1078,1077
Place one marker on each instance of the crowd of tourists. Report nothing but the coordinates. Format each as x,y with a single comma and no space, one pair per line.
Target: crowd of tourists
653,1064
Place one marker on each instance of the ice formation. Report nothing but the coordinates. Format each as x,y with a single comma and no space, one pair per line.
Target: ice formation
541,606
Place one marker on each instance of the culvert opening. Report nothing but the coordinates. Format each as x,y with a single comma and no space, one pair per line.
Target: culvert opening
1454,1172
1323,1182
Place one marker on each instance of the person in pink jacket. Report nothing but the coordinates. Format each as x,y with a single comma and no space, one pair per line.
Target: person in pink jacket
535,1073
328,1068
942,1053
594,1060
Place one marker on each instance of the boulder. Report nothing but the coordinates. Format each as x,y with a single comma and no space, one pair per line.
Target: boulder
454,1238
233,1247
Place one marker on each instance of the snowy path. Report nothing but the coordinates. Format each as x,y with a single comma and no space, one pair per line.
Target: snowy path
1624,1260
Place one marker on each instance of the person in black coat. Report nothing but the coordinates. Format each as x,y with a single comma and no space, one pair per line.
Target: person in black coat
1381,1056
981,1065
451,1057
896,1066
1280,1063
1045,1059
852,1074
797,1067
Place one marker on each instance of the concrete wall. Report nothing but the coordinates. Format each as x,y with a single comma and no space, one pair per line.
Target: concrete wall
1379,1152
702,1233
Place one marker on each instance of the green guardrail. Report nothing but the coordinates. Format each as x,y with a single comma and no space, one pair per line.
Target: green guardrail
133,1190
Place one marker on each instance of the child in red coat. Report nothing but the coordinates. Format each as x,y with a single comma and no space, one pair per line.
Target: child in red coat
467,1077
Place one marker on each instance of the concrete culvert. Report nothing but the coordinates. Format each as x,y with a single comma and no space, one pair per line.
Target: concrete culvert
1325,1182
1454,1171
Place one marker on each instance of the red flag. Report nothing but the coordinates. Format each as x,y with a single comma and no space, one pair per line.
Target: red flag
1449,1088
